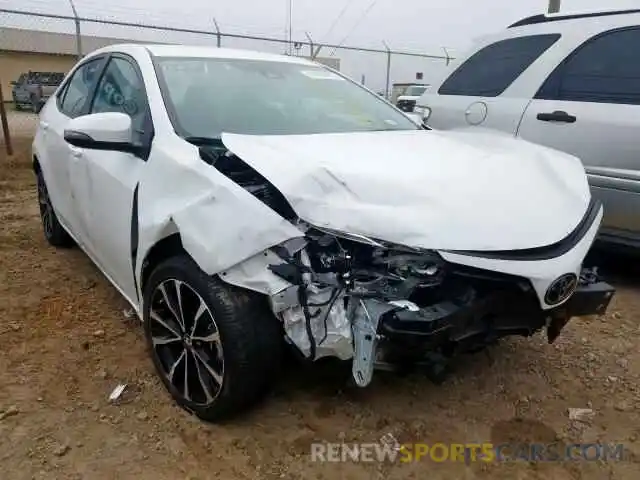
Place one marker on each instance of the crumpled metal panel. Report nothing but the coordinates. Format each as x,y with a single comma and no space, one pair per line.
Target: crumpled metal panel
333,337
425,189
221,224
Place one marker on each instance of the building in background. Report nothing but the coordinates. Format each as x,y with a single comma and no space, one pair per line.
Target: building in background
23,50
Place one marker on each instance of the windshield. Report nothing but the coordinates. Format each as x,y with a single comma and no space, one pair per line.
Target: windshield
206,97
415,91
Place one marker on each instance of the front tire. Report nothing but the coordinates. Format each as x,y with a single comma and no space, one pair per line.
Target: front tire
55,234
215,347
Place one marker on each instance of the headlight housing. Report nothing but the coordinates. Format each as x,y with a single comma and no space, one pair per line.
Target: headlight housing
371,265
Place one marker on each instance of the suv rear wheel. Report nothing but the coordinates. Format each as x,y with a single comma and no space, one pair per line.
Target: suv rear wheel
215,347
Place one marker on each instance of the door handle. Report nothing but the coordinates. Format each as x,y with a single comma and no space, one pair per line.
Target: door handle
44,125
557,116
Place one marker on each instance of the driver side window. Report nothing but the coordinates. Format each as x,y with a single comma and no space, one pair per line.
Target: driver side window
122,90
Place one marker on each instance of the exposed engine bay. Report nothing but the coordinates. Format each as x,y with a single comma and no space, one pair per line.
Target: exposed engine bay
387,305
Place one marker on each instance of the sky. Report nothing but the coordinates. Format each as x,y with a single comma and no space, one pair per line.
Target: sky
413,25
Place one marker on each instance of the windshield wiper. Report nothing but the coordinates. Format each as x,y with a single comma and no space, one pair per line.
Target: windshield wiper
205,141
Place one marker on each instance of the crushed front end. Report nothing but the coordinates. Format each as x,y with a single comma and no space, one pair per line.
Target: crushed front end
390,306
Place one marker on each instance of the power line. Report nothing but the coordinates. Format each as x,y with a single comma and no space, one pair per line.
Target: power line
362,17
338,18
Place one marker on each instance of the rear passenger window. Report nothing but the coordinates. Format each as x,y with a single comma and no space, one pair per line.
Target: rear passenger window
605,69
489,72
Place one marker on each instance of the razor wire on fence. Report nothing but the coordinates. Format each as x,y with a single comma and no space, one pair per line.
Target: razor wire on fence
53,42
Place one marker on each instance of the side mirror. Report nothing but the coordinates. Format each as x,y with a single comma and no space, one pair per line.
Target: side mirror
102,131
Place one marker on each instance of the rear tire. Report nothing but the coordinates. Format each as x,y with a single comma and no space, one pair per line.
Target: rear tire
55,233
216,348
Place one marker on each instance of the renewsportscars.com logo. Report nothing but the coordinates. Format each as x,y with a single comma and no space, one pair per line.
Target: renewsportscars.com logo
465,452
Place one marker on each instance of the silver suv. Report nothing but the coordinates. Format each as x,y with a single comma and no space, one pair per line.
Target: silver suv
570,82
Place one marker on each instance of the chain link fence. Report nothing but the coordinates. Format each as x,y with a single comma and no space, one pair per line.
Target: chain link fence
54,41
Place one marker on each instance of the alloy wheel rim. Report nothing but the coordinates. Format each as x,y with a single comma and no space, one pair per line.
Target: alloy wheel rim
46,210
186,342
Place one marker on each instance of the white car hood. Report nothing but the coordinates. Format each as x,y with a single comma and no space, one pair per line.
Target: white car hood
454,190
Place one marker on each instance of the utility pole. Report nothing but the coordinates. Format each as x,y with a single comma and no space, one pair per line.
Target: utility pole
387,93
554,6
289,21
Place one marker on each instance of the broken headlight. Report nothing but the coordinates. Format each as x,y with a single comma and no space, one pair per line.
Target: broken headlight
333,273
372,268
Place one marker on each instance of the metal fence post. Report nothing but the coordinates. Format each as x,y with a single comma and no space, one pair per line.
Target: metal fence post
218,34
446,55
315,54
310,44
386,90
5,124
78,35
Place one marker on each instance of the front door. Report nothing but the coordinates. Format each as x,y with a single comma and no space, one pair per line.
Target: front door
106,181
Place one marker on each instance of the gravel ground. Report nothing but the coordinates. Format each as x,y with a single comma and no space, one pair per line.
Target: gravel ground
66,344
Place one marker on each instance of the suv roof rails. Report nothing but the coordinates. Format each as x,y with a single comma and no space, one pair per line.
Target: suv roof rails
544,18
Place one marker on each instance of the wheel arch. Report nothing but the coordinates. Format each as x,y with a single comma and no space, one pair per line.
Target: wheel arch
167,247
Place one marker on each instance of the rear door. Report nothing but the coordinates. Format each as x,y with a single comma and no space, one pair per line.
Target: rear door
589,106
478,91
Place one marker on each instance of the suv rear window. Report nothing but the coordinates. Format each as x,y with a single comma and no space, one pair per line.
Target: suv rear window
489,71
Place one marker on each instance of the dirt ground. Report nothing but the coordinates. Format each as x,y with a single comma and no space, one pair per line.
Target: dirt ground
66,343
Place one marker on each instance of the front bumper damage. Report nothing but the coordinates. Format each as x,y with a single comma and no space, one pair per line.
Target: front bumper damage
497,315
382,333
371,266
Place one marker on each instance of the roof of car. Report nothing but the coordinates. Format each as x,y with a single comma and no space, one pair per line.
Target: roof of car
555,17
163,50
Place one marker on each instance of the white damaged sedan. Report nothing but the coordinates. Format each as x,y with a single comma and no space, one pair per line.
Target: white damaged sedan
242,201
